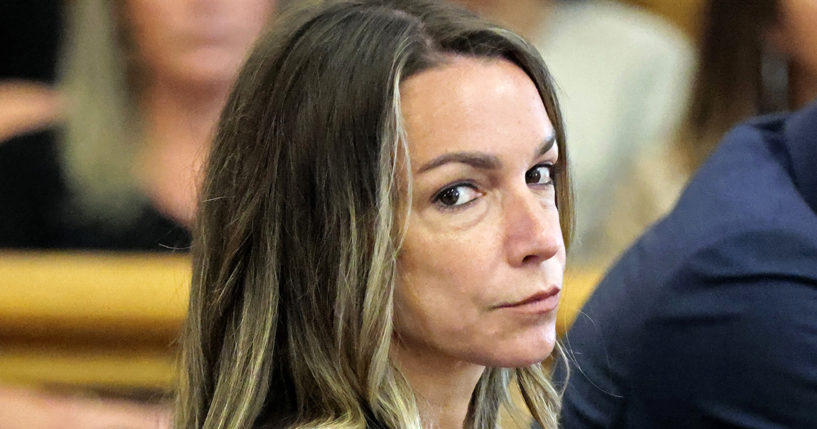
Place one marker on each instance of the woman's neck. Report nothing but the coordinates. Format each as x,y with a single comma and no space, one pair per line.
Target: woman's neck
178,124
443,386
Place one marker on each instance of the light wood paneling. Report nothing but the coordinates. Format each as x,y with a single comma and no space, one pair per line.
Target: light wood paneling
95,296
120,369
109,320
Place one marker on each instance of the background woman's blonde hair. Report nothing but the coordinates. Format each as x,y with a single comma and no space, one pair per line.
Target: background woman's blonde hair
101,120
296,246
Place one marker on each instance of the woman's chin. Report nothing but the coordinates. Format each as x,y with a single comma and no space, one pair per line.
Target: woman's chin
522,352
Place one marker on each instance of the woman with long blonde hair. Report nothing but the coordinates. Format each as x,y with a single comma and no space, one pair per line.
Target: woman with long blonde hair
380,240
141,84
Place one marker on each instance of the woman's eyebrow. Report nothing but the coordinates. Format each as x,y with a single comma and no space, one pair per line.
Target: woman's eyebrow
475,159
480,160
545,146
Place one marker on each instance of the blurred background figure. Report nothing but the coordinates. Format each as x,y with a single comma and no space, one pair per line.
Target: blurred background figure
754,57
707,321
141,83
102,151
623,76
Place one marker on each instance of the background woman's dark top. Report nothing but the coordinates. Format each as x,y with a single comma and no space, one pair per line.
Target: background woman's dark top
36,212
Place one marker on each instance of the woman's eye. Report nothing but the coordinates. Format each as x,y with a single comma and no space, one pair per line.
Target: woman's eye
540,175
456,195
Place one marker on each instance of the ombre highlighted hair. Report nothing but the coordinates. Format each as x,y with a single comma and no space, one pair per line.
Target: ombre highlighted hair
296,243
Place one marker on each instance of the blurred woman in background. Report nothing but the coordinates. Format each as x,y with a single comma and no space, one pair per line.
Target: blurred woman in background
142,82
755,57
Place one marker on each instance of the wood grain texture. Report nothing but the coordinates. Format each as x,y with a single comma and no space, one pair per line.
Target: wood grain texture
110,320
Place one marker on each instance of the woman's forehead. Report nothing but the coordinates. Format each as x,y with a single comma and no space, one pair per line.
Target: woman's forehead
472,104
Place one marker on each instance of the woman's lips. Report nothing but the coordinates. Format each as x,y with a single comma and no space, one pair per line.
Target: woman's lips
540,302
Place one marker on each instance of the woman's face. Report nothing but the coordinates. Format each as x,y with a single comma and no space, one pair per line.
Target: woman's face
481,266
194,41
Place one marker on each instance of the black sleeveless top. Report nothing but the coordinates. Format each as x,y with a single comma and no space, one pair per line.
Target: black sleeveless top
35,212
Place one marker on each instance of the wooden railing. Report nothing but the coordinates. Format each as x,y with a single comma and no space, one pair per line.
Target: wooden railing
110,321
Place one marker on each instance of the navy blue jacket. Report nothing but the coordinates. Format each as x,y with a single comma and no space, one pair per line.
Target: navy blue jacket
710,319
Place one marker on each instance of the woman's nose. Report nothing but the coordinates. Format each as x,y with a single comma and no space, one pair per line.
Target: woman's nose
533,232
